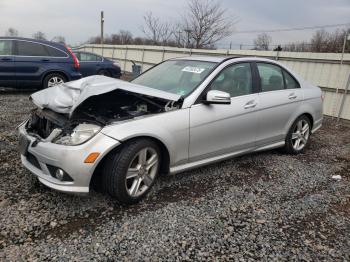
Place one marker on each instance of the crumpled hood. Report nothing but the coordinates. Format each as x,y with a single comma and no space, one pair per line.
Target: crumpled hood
65,98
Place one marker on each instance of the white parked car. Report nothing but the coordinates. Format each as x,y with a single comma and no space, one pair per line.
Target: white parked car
181,114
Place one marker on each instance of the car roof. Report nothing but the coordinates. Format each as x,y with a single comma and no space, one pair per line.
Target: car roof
78,51
215,59
220,59
31,40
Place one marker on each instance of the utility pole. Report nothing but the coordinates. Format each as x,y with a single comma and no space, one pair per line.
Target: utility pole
346,38
188,31
179,39
102,22
347,87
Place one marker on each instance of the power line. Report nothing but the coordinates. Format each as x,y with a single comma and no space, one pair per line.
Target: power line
291,29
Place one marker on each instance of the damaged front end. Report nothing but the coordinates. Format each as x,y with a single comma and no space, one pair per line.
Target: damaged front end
69,115
48,126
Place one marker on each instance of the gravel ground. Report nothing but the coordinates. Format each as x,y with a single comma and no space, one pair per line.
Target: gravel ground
266,206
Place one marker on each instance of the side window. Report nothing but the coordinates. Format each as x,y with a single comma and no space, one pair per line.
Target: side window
6,47
99,58
31,49
291,83
95,58
235,80
271,78
55,52
88,57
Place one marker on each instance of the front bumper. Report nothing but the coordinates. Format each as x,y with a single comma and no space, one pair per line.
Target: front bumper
41,158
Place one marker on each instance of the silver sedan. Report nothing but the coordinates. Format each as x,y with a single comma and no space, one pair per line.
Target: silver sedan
181,114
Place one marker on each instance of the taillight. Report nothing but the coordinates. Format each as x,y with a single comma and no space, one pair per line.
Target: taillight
75,59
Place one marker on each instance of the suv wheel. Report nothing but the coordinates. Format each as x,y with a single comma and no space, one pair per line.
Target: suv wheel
53,79
130,173
298,135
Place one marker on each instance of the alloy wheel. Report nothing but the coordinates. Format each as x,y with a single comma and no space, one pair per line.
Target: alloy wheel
142,171
56,80
300,135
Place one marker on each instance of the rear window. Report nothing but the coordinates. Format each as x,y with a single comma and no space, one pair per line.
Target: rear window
55,52
31,49
291,83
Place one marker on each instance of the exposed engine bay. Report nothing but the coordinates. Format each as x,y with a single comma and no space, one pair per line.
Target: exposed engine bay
98,110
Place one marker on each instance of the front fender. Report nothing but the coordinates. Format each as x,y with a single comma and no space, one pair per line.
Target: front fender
171,128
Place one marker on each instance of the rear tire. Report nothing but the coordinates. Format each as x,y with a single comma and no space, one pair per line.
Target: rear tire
298,136
130,173
53,79
103,73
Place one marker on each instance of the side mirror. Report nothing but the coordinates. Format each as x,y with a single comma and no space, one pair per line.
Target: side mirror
217,97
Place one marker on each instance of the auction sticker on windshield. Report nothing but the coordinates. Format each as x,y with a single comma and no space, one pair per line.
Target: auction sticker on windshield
192,69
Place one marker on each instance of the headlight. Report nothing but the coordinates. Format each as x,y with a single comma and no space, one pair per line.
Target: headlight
80,134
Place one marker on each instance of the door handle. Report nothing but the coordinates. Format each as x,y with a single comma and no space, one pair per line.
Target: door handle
45,60
6,59
250,104
292,96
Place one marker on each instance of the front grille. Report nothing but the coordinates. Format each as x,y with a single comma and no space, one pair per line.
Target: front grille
40,125
33,160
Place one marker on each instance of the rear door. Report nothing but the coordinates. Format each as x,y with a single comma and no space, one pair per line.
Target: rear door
33,59
7,66
279,98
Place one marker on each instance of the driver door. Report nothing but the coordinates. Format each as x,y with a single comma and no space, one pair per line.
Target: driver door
219,129
89,64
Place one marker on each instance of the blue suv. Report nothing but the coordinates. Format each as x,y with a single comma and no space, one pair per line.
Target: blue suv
35,63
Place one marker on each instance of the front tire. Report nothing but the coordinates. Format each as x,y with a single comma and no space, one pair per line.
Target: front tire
53,79
130,173
298,135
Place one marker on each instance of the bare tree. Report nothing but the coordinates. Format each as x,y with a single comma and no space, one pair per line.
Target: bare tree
336,40
297,47
159,32
318,41
138,41
262,42
96,40
322,41
39,36
205,23
11,32
125,37
179,37
59,39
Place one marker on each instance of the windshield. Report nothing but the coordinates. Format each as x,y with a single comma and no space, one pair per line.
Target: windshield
179,77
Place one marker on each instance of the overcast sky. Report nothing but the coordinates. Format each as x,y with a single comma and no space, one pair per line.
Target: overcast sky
77,20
